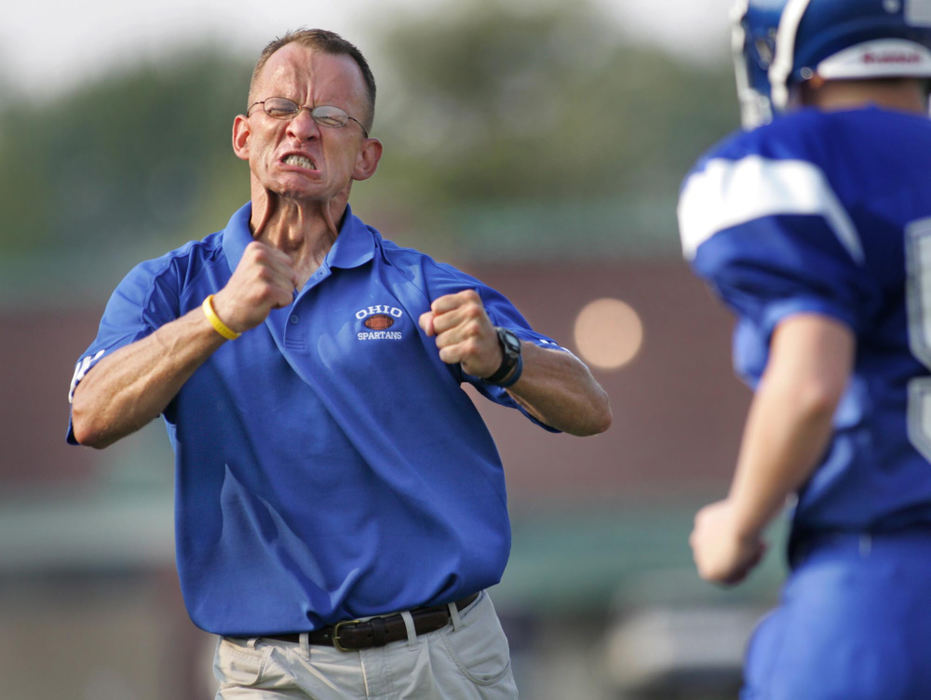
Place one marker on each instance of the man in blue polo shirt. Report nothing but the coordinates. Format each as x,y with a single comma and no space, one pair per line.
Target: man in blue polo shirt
340,503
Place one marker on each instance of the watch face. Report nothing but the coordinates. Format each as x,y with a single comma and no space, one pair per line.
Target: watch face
511,341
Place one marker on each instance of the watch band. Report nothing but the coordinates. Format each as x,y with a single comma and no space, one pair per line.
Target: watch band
511,359
515,375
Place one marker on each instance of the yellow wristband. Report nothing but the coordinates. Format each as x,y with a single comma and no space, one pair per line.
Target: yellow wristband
215,321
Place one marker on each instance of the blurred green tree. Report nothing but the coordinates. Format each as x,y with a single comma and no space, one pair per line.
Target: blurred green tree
131,156
503,116
496,103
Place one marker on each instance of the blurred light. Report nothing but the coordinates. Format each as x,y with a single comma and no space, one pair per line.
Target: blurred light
608,333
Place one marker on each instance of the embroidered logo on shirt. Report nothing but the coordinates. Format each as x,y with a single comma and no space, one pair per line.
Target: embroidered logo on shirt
377,320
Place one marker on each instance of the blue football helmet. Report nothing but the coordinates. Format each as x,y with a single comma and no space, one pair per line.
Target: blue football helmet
778,44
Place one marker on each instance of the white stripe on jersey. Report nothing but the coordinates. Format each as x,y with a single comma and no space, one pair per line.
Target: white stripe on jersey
727,193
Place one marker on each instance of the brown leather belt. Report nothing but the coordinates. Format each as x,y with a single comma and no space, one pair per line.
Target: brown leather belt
351,635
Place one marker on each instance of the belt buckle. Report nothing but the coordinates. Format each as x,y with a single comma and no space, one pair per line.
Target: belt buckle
335,636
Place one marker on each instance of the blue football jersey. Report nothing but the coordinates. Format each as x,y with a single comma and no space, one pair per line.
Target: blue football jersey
830,212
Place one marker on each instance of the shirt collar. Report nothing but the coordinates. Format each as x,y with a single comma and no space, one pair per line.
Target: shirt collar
354,246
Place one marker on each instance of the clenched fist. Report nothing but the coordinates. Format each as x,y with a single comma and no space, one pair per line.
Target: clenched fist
263,280
464,333
721,553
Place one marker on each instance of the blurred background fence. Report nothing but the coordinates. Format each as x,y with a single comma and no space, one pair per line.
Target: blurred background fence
538,146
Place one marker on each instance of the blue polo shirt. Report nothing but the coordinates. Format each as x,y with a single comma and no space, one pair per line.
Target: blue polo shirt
328,464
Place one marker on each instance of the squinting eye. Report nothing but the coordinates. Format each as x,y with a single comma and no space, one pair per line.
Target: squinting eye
328,121
280,108
330,116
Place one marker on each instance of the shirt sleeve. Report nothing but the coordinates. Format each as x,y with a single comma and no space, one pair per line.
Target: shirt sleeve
772,240
503,313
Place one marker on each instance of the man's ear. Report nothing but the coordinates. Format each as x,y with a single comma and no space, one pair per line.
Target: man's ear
367,160
241,134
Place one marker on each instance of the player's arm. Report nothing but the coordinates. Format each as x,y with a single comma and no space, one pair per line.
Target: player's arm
554,387
787,430
132,386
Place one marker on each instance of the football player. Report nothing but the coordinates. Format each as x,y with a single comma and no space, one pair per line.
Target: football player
813,224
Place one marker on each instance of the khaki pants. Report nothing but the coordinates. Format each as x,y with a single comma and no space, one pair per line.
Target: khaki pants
466,660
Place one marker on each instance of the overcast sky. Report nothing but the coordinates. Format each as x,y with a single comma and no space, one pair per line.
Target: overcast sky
48,46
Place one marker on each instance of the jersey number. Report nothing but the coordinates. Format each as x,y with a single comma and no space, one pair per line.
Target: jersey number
918,263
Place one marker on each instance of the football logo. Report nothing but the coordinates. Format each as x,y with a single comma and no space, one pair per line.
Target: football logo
379,322
378,319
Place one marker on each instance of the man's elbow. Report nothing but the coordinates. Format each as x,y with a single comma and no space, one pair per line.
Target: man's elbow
604,419
87,434
88,427
596,420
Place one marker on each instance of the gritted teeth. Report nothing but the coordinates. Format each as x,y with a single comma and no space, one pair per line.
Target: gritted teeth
300,161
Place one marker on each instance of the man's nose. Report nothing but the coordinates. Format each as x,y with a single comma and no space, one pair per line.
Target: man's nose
302,126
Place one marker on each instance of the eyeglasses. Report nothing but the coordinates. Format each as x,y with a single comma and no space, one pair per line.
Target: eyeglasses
324,115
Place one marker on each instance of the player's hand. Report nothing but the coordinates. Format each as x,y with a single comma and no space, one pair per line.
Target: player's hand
721,553
464,333
263,280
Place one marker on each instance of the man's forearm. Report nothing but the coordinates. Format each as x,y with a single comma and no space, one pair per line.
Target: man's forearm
558,390
131,387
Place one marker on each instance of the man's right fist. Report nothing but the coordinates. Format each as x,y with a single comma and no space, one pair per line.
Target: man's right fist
263,280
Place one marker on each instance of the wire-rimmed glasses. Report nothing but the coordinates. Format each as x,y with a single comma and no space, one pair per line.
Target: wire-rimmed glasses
324,115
